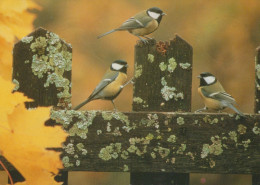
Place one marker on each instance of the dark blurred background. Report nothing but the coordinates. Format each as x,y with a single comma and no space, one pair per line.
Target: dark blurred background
224,35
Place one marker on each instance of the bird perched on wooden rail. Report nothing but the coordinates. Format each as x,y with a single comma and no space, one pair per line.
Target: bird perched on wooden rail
213,94
142,24
111,85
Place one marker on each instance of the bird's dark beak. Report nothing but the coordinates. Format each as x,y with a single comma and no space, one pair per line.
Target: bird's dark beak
199,76
126,65
164,13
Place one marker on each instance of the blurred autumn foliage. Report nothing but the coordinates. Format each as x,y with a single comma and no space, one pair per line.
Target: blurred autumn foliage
23,135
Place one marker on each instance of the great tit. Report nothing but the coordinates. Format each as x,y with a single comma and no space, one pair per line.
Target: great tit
111,84
214,95
142,24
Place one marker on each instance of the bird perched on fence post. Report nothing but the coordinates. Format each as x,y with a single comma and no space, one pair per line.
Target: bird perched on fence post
142,24
213,94
111,85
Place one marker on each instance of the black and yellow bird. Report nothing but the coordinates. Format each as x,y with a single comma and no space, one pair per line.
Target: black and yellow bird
142,24
111,85
213,94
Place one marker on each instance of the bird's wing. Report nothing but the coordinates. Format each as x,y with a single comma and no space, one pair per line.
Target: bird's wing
131,23
107,79
220,96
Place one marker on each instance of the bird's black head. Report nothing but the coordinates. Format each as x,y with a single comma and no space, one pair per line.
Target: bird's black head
119,65
206,79
156,13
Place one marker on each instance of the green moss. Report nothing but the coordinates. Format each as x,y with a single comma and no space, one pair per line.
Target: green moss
172,65
138,70
151,58
184,65
17,85
163,66
171,139
180,121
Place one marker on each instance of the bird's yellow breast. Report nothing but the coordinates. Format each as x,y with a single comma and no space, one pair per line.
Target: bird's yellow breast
114,87
151,27
210,103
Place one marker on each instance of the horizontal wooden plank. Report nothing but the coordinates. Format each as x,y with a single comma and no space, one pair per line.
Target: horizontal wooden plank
160,142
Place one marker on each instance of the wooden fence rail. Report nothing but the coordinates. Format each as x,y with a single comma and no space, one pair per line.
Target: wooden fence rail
154,142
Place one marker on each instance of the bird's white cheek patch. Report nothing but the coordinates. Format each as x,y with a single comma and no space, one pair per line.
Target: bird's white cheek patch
116,66
154,15
209,79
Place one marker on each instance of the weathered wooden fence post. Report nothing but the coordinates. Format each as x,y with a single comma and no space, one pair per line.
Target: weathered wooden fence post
163,73
256,177
42,71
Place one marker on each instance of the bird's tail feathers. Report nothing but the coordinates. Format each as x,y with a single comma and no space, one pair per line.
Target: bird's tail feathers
236,110
104,34
82,104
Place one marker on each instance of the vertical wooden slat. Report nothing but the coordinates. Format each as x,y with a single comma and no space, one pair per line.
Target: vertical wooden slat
256,177
163,73
42,71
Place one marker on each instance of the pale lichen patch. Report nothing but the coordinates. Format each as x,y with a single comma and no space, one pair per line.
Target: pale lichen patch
181,149
184,65
180,121
172,65
138,70
215,148
233,135
17,85
150,58
110,152
171,139
162,66
241,129
27,39
66,162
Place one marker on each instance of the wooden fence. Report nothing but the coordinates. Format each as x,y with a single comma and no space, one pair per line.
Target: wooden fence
161,141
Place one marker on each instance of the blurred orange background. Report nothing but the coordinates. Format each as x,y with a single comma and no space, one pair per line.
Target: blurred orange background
224,35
